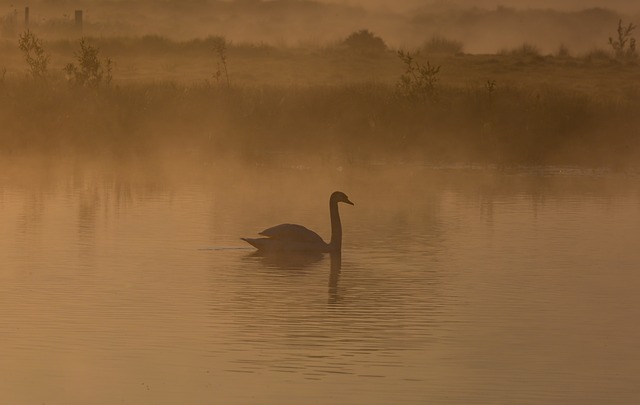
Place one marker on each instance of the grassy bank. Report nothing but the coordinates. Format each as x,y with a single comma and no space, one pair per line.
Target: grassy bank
210,98
366,121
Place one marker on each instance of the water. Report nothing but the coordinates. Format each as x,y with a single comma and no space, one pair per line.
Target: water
127,283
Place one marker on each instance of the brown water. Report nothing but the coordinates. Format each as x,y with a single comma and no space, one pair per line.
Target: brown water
129,284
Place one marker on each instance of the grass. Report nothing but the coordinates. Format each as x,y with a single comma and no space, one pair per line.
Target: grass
328,104
438,45
359,122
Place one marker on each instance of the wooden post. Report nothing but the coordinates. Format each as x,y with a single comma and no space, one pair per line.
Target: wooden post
79,21
26,17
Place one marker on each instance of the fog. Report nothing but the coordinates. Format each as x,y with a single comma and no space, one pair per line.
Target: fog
492,152
483,27
408,5
339,82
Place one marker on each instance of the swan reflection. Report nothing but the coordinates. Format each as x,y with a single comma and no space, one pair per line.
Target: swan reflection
300,261
287,260
334,277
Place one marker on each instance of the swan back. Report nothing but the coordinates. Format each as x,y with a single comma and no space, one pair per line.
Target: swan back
293,233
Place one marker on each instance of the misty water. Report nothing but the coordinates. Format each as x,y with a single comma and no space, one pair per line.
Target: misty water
128,283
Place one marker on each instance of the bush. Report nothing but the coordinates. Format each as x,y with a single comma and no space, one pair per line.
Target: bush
418,81
365,40
563,52
440,45
502,125
625,45
8,24
90,71
220,48
34,54
597,55
524,50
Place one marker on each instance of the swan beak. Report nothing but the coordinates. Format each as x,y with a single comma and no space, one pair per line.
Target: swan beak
349,202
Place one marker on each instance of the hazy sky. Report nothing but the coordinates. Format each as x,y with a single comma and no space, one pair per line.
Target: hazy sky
621,5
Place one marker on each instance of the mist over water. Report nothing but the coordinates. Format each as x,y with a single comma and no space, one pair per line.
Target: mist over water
120,283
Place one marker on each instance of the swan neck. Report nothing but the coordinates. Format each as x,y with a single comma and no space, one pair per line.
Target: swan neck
336,227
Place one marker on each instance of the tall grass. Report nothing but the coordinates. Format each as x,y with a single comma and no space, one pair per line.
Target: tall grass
524,50
359,122
438,45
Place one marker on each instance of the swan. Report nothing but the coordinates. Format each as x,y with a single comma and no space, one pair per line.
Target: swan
297,238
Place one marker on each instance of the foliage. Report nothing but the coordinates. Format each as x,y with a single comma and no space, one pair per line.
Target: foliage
597,54
90,70
442,46
419,80
220,48
625,45
539,115
524,50
34,54
8,23
490,85
563,51
360,121
365,41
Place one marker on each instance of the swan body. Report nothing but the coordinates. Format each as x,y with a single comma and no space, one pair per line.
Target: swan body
297,238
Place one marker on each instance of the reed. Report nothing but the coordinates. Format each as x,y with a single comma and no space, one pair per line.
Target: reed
356,122
461,108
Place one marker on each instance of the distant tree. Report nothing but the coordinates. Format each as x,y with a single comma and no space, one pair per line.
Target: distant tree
9,23
625,44
220,48
563,51
365,40
34,54
90,70
438,45
419,80
524,50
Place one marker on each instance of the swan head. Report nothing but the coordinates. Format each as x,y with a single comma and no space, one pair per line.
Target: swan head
339,196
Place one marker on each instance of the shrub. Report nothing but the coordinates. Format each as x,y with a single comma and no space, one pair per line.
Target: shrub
34,54
440,45
156,43
524,50
220,48
563,51
625,45
597,55
418,80
365,40
90,71
8,23
490,85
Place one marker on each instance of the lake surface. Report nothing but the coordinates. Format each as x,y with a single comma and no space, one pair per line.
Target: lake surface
128,283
